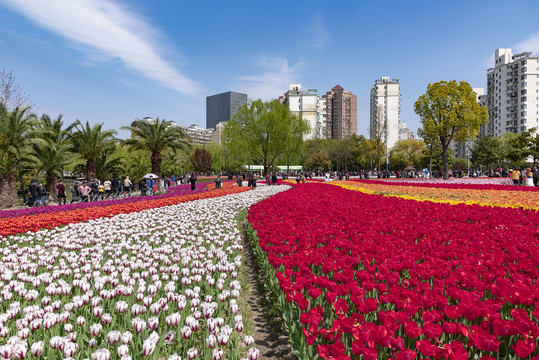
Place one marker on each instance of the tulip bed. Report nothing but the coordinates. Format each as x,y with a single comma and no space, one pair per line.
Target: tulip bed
52,219
482,194
362,276
153,284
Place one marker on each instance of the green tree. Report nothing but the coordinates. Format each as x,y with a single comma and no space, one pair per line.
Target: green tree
218,156
435,159
156,137
109,162
407,153
526,144
294,146
14,129
262,131
449,110
379,131
89,142
315,156
172,163
53,154
366,152
487,151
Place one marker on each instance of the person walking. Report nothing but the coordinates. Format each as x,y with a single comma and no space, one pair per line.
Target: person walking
238,180
529,177
42,194
143,186
149,184
61,190
218,182
107,185
193,181
127,185
114,185
33,191
515,175
274,179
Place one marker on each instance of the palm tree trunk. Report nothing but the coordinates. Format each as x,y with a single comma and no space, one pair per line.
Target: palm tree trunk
90,169
8,190
51,183
156,160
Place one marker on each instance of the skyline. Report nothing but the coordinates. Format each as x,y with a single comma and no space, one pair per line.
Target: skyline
113,61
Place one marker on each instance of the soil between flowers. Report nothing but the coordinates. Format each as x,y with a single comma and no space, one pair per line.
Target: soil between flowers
267,330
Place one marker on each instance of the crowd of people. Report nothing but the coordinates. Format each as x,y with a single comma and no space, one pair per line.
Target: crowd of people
526,177
95,189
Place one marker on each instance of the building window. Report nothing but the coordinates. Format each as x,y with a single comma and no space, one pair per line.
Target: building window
523,77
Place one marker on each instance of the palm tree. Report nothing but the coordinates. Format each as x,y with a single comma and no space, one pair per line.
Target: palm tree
108,163
14,129
156,137
52,155
89,142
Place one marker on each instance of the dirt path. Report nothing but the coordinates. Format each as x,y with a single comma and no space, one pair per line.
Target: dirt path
268,330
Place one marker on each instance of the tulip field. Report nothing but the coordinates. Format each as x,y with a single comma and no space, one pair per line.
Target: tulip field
388,270
379,269
155,278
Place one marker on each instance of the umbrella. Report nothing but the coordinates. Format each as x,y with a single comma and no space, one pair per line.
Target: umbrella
151,175
409,168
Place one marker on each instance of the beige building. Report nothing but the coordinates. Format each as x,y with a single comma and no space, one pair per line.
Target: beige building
310,106
386,96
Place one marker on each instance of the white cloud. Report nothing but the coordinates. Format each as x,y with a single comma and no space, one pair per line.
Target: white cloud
317,34
108,30
530,44
275,75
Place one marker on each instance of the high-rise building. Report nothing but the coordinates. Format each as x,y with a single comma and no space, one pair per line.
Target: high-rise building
222,107
512,97
310,107
386,97
341,109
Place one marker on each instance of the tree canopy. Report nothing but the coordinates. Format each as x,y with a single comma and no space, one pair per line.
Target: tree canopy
487,151
262,131
449,111
407,153
157,136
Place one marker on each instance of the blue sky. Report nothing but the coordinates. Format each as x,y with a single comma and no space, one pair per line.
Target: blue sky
112,61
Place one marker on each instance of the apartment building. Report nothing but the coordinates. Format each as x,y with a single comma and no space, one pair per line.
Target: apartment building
512,97
341,111
310,106
385,96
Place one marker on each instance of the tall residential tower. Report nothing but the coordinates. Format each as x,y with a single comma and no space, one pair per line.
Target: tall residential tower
512,97
386,96
341,108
